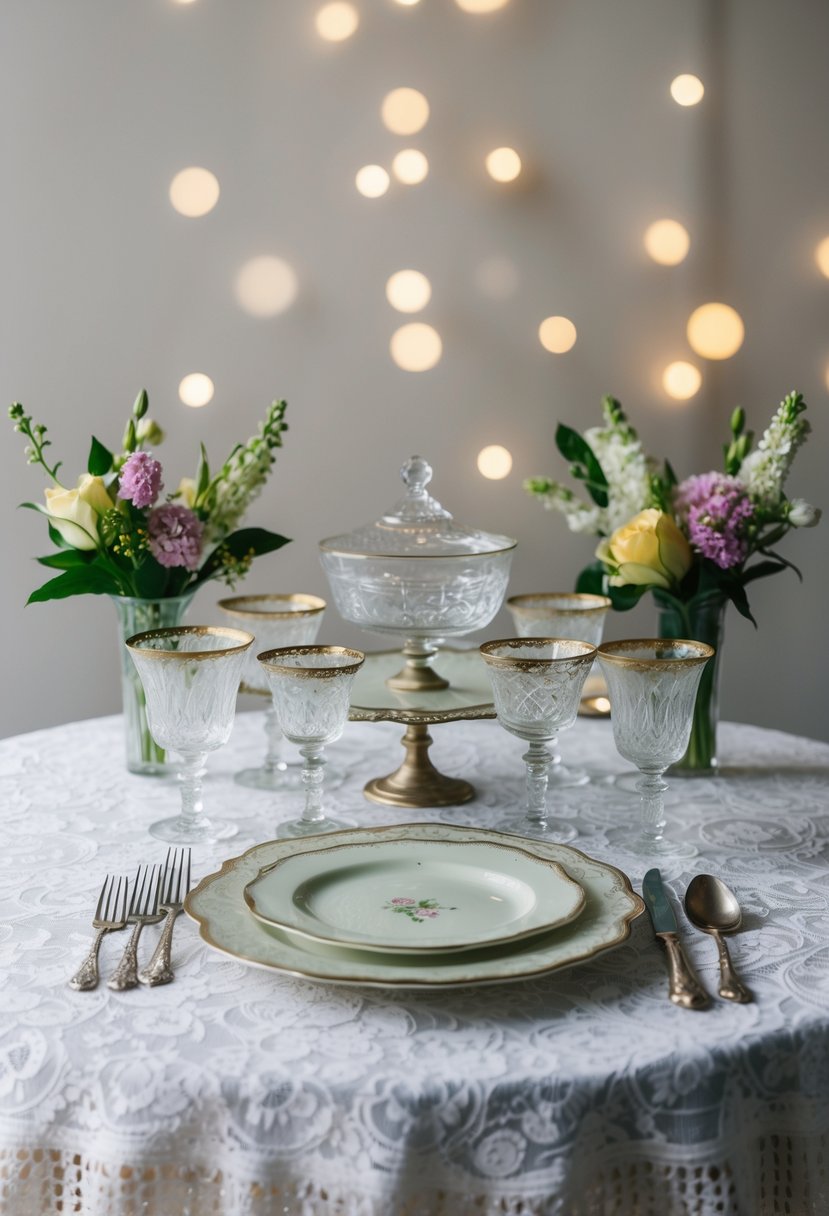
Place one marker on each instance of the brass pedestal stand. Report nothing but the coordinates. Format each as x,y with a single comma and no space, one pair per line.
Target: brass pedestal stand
417,783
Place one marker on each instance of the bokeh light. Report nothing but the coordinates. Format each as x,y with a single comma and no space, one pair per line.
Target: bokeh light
196,389
557,335
404,111
266,286
481,6
715,331
410,166
337,21
372,181
681,380
408,3
194,192
503,164
667,242
687,90
497,277
408,291
822,256
416,347
494,462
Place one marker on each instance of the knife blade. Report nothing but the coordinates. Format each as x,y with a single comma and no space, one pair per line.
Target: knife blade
684,986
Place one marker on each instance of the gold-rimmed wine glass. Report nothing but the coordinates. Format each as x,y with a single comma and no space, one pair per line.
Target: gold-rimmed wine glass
653,685
311,690
275,620
190,675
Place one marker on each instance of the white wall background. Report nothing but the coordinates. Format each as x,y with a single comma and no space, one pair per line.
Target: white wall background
106,289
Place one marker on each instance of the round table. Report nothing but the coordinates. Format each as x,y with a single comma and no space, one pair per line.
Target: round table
238,1092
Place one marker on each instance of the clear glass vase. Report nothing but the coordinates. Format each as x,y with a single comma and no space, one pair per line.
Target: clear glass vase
135,615
699,620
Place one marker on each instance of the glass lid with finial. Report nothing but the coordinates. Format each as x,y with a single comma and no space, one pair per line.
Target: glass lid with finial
416,526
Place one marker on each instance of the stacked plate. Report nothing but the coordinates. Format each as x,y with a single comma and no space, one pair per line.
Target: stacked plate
420,905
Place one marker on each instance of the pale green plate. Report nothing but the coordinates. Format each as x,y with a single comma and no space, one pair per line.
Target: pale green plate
415,896
217,905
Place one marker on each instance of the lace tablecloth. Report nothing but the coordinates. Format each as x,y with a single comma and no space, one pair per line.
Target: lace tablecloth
237,1092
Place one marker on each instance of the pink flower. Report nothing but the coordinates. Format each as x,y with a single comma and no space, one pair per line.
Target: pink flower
717,510
423,912
175,536
402,901
140,480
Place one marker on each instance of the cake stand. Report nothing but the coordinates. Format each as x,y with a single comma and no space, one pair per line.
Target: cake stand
417,783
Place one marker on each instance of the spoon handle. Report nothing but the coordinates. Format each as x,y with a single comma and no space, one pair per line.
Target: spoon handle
731,988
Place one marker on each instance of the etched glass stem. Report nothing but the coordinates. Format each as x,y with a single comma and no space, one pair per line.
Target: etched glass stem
191,774
275,758
652,789
313,772
538,760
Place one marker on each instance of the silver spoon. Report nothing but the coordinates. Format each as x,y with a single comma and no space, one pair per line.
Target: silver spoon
713,907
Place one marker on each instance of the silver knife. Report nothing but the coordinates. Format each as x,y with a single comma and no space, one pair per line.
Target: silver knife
685,989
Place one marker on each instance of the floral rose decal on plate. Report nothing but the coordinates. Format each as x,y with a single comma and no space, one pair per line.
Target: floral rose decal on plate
417,910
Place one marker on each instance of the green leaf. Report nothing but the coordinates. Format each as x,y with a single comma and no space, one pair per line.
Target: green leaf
247,541
87,581
782,560
592,581
56,539
203,475
100,459
762,570
735,592
150,580
584,464
67,559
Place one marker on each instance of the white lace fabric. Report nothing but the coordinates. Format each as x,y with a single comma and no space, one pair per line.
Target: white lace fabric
240,1092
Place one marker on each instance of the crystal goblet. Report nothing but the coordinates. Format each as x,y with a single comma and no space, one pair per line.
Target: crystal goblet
311,689
190,675
536,686
653,686
561,614
275,620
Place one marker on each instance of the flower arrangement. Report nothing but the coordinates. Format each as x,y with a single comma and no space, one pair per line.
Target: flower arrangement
697,543
682,539
116,535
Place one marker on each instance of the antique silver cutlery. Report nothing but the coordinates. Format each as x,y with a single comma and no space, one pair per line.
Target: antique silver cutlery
684,987
713,908
111,913
143,911
174,887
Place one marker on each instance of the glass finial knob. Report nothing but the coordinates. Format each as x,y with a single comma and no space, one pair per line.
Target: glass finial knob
416,474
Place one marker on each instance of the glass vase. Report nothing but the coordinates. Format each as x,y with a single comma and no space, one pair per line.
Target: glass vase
698,620
135,615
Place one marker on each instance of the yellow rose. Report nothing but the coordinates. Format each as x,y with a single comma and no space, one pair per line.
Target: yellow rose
186,492
74,513
648,551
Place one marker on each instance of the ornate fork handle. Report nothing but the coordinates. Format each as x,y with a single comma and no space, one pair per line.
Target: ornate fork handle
87,975
159,970
125,974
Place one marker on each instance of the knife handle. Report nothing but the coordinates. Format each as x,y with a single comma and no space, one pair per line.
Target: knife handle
684,987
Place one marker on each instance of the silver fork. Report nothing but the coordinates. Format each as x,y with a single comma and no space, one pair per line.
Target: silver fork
175,886
111,913
143,911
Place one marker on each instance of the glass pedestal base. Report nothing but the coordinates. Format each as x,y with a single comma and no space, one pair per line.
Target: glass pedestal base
311,827
176,830
556,831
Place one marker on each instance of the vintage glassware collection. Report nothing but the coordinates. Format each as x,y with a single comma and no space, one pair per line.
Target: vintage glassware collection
419,576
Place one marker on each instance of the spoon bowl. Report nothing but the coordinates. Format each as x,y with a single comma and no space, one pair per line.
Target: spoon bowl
713,907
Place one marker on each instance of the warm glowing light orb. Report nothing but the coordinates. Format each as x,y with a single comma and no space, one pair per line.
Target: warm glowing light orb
404,111
372,181
408,291
266,286
687,90
503,164
557,335
408,3
196,389
494,462
182,1
715,331
416,347
497,277
667,242
194,192
410,166
681,380
337,21
481,6
822,256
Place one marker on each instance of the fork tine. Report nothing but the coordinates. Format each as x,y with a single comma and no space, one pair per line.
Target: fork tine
150,905
103,898
187,879
138,888
167,879
121,894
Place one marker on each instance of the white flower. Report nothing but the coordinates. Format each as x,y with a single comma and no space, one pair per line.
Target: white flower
765,470
802,514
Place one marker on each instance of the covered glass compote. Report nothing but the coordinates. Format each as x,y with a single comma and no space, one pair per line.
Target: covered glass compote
417,574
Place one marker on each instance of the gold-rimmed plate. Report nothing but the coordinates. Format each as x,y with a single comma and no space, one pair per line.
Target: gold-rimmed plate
217,905
415,896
